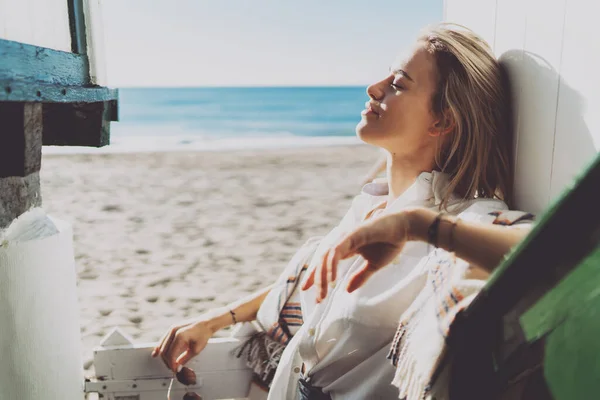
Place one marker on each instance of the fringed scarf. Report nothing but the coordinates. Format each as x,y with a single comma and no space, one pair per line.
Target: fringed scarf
280,317
419,344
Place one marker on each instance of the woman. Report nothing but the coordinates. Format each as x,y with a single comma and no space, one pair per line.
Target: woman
441,115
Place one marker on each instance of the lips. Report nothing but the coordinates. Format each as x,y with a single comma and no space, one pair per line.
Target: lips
373,107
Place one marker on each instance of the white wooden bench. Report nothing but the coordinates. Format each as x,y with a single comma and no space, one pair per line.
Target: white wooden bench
126,371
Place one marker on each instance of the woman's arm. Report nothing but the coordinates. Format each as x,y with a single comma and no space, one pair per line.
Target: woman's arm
185,341
245,310
380,240
480,244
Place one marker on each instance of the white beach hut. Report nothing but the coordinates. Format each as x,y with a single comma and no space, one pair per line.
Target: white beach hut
51,93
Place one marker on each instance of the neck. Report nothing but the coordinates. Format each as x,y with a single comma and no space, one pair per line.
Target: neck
403,170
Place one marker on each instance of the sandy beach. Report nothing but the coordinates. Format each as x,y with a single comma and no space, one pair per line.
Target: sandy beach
162,237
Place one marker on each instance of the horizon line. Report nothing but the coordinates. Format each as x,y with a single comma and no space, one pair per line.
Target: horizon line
237,86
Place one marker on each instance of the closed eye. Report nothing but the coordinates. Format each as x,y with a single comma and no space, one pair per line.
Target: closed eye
396,86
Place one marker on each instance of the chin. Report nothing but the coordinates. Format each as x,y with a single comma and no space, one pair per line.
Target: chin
367,133
362,129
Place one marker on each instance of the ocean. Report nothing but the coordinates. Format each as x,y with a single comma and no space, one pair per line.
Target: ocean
152,119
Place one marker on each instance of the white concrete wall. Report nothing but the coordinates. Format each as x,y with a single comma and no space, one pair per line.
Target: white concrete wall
42,23
553,58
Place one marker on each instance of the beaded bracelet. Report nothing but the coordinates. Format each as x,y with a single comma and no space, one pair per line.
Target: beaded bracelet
233,317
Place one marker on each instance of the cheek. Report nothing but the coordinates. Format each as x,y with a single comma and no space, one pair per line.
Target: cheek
410,112
398,113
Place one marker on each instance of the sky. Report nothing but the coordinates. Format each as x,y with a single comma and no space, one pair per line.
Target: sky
175,43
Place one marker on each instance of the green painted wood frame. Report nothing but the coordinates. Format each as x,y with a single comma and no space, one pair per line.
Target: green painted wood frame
514,332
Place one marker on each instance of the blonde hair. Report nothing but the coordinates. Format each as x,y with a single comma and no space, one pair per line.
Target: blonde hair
473,101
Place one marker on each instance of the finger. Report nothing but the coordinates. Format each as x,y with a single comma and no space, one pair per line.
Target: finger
360,277
179,346
322,277
185,357
190,353
166,349
332,266
160,342
309,281
317,275
166,339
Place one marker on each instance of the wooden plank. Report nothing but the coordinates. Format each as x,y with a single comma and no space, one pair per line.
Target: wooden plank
3,17
18,24
217,385
508,47
134,362
555,306
28,91
20,159
78,124
221,374
12,156
37,22
571,365
557,244
577,120
566,233
538,100
21,150
23,62
50,19
94,23
77,27
480,16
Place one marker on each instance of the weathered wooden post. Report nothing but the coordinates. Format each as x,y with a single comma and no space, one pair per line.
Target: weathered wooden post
51,77
20,159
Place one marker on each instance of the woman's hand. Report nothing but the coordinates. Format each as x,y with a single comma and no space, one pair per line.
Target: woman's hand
378,241
183,342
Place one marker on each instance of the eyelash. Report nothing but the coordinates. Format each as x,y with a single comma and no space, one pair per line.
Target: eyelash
396,87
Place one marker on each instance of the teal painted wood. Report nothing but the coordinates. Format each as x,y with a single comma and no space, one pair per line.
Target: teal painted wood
54,93
26,63
77,27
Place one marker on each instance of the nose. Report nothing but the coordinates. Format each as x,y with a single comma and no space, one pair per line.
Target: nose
376,91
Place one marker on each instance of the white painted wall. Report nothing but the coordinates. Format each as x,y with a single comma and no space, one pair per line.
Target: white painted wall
94,24
553,59
42,23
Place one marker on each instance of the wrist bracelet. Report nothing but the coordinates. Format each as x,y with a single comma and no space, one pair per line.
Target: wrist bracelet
233,317
432,231
451,238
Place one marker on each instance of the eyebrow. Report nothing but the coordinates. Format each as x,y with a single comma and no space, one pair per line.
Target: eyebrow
403,73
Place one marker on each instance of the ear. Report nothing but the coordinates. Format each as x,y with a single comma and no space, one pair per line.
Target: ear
443,125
